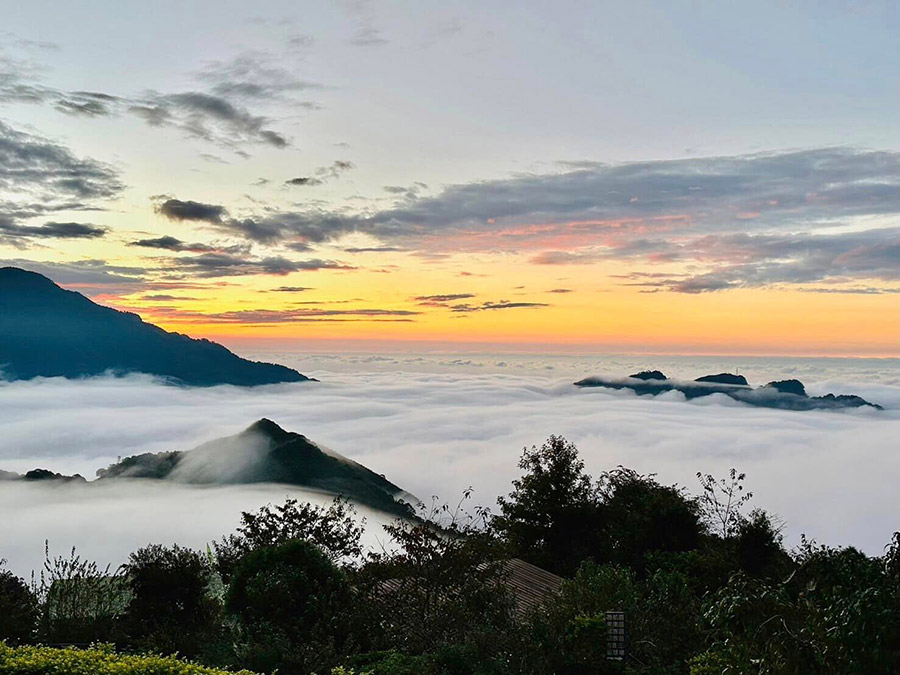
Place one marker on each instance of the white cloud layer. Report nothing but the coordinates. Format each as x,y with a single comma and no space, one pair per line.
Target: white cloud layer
438,424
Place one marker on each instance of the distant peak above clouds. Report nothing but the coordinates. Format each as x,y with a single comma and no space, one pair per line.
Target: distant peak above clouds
46,331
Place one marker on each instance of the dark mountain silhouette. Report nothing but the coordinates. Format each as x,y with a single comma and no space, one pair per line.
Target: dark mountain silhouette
46,331
784,394
266,453
724,378
42,475
649,375
789,387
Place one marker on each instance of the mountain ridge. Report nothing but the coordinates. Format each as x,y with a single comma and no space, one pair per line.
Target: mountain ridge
263,452
781,394
48,331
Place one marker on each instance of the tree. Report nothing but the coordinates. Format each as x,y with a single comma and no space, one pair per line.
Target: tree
438,586
759,545
551,517
336,530
291,603
721,501
18,608
170,609
642,517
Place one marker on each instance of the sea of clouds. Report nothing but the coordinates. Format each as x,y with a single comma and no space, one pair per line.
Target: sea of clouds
437,424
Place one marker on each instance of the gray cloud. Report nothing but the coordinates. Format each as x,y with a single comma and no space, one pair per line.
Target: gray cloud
39,176
854,290
169,243
224,264
176,209
253,76
52,230
565,258
602,203
442,299
501,304
749,220
217,114
165,297
408,191
268,316
207,116
375,249
746,261
322,174
304,181
87,276
87,103
299,246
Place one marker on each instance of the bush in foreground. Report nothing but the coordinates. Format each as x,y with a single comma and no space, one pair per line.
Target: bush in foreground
98,660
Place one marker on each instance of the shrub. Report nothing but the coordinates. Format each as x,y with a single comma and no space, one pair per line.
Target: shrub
291,604
170,609
18,609
439,589
79,601
98,660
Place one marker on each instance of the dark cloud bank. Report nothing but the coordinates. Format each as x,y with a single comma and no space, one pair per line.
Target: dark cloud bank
753,220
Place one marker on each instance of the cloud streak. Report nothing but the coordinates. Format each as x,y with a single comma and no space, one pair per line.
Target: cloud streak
217,113
780,210
39,177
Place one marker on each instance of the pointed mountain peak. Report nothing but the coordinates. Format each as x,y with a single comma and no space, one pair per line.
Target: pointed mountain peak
269,429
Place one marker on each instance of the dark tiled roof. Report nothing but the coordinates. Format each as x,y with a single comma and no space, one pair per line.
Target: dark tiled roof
530,585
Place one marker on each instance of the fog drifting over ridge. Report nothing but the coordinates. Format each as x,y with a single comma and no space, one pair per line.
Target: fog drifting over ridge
438,424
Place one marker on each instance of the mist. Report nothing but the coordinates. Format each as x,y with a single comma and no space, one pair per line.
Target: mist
437,428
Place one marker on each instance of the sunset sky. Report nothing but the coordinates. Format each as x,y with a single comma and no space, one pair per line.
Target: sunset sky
674,177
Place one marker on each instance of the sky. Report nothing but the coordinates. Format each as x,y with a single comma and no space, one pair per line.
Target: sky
668,177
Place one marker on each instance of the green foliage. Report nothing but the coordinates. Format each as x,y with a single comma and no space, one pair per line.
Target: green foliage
98,660
79,601
290,602
551,517
170,609
704,588
838,612
759,546
661,614
336,530
721,501
642,517
18,608
556,517
439,589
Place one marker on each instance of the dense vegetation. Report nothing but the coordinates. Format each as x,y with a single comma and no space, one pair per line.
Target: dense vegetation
97,660
705,583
